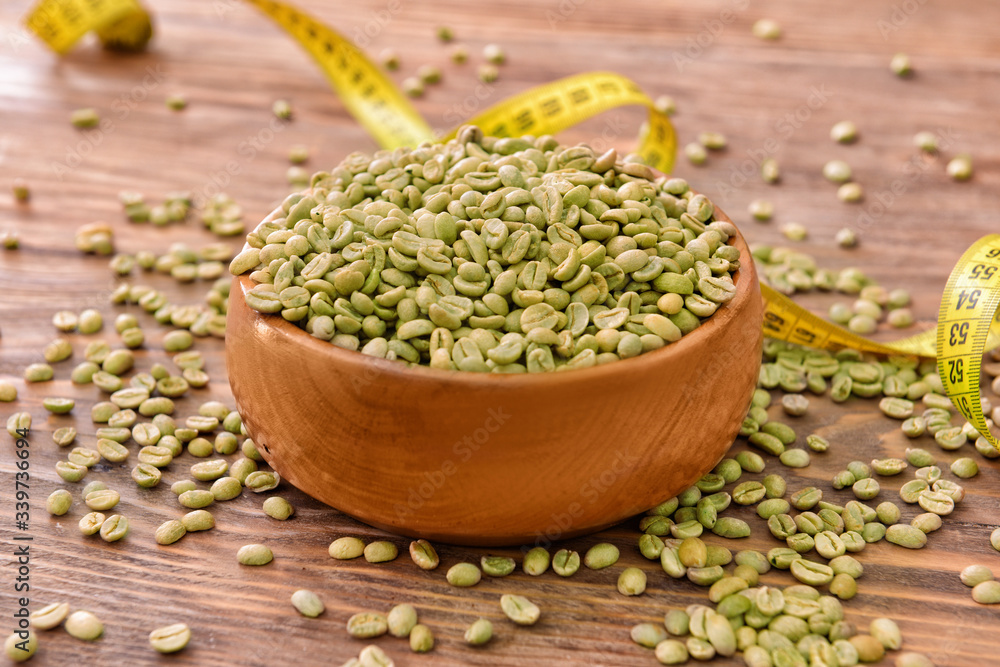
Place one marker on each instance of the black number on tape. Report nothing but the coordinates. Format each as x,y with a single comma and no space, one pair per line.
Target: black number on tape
955,372
958,333
983,271
773,322
970,299
963,407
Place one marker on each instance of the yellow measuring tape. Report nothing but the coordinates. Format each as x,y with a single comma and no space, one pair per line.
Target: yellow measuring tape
555,106
966,327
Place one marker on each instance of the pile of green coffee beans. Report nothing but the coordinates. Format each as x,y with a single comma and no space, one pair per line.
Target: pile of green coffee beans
502,255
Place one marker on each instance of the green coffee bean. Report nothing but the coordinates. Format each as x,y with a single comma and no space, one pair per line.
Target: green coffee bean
464,575
169,532
196,499
158,457
565,563
536,561
401,620
198,520
650,546
731,527
806,498
479,632
380,551
58,406
275,507
950,489
102,499
146,475
910,659
261,481
648,634
975,574
421,639
750,461
987,592
671,652
123,419
906,536
366,625
497,566
84,625
729,469
421,551
114,528
71,472
171,638
91,523
346,548
888,467
705,576
50,616
520,609
795,458
200,447
829,545
869,649
774,486
748,493
767,443
964,468
888,513
632,581
208,471
253,554
373,656
18,423
601,556
59,502
936,502
38,373
865,489
919,458
8,392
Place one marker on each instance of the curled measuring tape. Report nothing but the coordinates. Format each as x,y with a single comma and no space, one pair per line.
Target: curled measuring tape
374,100
967,327
966,323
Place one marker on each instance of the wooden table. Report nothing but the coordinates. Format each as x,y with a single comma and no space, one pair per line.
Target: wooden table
769,98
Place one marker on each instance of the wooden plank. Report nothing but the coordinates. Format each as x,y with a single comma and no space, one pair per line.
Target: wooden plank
776,99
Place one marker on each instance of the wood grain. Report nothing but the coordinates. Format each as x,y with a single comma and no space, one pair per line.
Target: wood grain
775,98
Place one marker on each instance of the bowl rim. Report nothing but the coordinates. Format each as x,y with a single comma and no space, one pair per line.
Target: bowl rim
356,360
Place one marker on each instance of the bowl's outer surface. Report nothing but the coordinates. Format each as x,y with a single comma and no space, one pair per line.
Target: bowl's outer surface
486,459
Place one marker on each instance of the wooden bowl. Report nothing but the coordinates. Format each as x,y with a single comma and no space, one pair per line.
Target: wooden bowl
486,459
